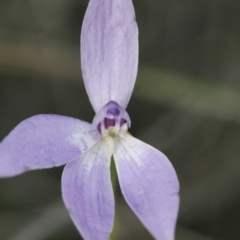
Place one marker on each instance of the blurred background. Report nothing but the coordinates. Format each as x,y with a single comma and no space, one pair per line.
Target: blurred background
185,103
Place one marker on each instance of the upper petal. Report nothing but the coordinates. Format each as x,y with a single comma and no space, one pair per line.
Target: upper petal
44,141
109,51
149,184
87,193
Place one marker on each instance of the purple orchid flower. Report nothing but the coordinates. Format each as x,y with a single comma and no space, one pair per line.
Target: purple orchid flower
109,56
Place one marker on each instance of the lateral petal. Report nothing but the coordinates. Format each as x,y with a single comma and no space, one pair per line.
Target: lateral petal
149,185
109,51
44,141
87,193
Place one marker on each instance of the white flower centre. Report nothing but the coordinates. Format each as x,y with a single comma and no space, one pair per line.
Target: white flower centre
109,134
112,121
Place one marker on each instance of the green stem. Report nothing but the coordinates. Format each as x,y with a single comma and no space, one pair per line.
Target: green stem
114,180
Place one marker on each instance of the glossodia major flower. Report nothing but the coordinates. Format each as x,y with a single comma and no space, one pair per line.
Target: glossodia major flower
109,57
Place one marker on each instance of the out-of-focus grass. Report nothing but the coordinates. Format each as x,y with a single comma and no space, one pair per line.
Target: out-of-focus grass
154,85
186,92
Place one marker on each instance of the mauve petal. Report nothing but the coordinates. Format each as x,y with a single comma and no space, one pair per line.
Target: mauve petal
87,193
109,51
149,185
44,141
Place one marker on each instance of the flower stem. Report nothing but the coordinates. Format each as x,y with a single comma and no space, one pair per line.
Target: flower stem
114,179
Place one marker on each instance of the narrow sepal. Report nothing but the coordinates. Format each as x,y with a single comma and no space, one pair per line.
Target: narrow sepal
87,193
44,141
109,51
149,185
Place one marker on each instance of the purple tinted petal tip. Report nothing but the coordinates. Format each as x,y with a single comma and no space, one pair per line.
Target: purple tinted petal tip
112,114
109,122
122,122
113,111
